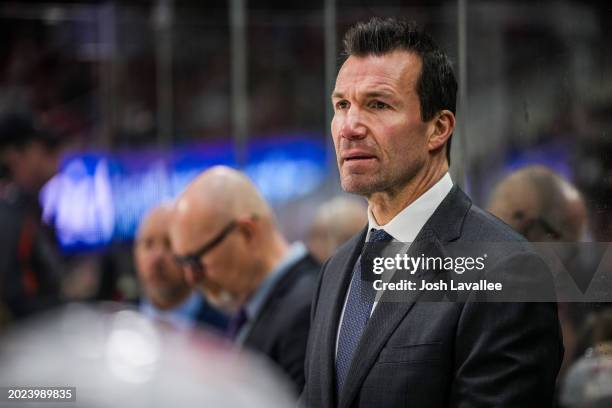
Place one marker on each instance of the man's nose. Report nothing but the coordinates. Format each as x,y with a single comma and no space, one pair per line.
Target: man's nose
352,125
193,274
157,253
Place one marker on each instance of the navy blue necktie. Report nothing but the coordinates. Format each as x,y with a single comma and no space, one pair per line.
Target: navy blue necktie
236,323
356,313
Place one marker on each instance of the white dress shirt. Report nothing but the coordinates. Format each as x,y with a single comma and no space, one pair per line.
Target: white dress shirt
407,224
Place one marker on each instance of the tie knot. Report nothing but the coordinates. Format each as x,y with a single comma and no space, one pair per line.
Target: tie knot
236,323
379,235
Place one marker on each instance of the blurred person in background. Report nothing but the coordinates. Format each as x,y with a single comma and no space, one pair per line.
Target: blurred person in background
30,267
541,205
335,222
166,294
588,383
227,239
545,207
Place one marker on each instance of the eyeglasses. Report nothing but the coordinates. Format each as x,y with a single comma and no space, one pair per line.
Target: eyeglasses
538,228
193,259
550,232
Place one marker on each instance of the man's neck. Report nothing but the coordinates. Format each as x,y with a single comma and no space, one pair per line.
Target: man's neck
276,251
385,205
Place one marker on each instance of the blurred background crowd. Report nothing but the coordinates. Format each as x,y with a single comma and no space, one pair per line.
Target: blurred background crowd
109,109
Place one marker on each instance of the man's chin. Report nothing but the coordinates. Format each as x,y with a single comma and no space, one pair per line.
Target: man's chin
357,185
167,298
223,301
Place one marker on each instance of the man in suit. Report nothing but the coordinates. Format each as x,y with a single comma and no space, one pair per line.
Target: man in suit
335,222
394,113
541,205
226,237
166,294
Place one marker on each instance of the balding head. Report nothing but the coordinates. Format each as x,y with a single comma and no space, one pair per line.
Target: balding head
224,193
540,204
335,222
222,208
161,277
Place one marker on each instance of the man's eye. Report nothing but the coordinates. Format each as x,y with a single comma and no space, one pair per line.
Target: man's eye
378,105
146,243
342,105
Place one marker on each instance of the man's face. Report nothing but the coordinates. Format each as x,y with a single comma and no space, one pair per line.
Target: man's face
33,165
380,139
223,270
159,274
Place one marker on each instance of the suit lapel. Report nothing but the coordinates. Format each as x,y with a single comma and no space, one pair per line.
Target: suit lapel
339,273
443,226
386,317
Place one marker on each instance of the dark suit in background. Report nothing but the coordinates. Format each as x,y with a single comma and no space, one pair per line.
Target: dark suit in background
433,354
280,330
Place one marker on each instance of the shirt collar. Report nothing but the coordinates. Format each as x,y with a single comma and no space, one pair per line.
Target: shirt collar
184,315
255,303
405,226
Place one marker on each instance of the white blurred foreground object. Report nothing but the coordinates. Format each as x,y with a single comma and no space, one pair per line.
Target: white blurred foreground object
588,383
117,358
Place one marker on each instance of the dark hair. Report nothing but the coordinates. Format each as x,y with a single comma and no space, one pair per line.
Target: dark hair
18,131
436,87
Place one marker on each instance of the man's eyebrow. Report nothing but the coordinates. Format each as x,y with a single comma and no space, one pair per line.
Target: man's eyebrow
380,94
370,94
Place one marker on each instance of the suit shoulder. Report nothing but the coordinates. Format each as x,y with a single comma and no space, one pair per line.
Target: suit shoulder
501,242
351,243
346,249
288,304
480,225
300,282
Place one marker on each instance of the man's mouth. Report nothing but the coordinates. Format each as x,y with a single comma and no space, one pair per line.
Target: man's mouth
357,156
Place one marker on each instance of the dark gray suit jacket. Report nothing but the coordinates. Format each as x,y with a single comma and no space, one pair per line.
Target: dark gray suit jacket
434,354
281,329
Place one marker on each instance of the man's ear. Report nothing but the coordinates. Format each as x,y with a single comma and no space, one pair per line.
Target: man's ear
443,125
247,227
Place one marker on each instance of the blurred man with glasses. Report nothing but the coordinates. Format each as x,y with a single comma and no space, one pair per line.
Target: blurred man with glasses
166,295
226,238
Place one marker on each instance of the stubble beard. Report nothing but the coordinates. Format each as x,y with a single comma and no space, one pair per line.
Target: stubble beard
363,185
367,185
